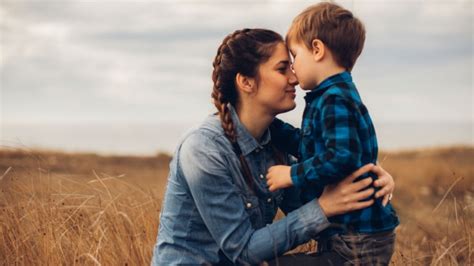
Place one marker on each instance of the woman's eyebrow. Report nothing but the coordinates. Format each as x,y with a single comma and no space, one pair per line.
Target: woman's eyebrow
285,62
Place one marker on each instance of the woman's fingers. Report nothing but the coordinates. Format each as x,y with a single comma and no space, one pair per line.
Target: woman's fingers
364,169
360,184
379,171
385,200
361,204
383,192
362,194
338,199
381,181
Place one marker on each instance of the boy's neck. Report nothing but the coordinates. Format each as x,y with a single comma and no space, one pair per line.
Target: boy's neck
327,72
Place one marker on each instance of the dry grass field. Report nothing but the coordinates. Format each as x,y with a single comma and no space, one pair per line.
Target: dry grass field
67,209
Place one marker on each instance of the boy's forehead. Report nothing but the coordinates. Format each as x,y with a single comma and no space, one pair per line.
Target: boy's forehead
294,46
291,39
291,44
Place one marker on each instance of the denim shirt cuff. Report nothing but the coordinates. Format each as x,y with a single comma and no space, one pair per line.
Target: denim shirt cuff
312,218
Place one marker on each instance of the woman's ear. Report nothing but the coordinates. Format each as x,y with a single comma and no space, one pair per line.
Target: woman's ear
244,83
318,49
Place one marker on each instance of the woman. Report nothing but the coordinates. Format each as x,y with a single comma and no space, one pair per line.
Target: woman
217,207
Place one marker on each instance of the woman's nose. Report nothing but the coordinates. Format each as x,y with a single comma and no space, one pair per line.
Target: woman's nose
292,80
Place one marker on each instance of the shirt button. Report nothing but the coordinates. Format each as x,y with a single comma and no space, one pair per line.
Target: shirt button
269,200
249,205
261,176
257,150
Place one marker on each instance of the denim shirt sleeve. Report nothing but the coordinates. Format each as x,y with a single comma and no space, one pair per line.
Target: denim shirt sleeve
205,169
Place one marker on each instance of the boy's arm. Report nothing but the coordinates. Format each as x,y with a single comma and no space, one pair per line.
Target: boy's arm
285,137
343,147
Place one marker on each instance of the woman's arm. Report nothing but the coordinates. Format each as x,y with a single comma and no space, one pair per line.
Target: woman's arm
220,205
336,194
345,196
217,200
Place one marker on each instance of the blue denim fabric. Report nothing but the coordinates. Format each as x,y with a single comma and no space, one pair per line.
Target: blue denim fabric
210,216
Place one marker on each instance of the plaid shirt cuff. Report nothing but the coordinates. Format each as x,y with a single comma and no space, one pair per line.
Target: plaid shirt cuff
297,180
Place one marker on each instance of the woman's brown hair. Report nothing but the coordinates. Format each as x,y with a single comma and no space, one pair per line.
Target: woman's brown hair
240,52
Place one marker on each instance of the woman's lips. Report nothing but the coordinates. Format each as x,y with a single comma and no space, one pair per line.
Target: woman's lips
292,93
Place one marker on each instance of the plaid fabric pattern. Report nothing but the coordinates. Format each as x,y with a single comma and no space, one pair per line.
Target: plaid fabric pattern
336,138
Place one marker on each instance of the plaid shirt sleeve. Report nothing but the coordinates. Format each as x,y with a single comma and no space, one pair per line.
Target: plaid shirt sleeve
342,145
285,137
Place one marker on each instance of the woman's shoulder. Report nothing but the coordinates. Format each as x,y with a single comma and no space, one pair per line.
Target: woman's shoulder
203,150
206,137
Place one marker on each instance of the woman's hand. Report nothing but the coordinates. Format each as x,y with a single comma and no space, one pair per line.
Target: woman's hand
386,184
345,196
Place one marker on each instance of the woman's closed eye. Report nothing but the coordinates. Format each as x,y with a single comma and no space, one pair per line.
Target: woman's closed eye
283,67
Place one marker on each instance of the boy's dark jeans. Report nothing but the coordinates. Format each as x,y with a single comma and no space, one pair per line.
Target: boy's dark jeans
361,249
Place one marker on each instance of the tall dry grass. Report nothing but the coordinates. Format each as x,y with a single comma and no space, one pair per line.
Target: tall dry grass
434,199
58,208
78,209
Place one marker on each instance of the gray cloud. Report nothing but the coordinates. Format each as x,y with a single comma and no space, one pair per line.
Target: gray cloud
151,61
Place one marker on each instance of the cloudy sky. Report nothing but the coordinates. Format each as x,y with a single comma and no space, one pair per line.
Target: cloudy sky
139,62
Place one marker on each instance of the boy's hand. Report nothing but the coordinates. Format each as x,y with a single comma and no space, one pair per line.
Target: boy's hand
386,184
279,176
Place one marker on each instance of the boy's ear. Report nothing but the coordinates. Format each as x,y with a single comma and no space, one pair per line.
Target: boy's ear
318,49
244,83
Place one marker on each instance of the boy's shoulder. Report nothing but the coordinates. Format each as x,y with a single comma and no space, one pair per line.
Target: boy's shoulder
341,92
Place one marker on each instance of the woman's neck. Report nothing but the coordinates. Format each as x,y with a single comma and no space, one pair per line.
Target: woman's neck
255,121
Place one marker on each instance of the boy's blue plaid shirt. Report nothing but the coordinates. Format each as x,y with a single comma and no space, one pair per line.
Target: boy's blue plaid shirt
336,138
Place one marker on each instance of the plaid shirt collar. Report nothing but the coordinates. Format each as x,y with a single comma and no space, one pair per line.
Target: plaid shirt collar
343,77
245,140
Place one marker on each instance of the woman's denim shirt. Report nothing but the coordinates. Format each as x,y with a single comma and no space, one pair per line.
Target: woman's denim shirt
209,214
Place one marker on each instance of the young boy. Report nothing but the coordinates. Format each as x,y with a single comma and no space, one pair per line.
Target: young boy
337,135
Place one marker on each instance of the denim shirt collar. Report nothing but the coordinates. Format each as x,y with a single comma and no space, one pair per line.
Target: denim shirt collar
343,77
245,140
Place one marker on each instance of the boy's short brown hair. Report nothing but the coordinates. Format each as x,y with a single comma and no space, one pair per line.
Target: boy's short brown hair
335,26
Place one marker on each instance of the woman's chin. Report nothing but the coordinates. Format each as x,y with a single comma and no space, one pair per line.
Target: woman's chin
287,108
